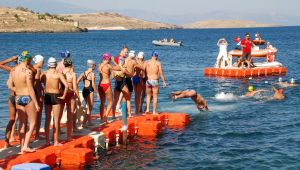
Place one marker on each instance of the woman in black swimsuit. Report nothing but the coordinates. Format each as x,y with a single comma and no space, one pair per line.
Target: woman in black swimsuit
88,77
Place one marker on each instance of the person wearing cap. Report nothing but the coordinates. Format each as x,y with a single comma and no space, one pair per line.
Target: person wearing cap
11,125
104,87
38,89
153,70
60,65
88,78
286,84
278,93
138,82
51,80
251,92
21,82
72,94
197,98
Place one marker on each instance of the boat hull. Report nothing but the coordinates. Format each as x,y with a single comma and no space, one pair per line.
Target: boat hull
159,43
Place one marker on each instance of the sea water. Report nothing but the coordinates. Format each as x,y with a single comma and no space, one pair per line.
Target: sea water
237,132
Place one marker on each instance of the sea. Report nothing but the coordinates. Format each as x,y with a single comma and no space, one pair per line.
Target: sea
237,132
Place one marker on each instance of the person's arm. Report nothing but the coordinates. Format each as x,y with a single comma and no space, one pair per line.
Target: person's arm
274,89
11,59
139,66
65,83
79,78
10,83
162,75
29,80
75,87
94,85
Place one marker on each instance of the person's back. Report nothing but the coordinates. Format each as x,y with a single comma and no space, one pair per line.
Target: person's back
19,79
105,71
52,80
152,69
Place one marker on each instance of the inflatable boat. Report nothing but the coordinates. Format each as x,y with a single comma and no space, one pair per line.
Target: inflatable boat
161,43
254,53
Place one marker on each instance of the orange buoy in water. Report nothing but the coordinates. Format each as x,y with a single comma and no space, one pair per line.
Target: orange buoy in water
76,157
149,128
178,119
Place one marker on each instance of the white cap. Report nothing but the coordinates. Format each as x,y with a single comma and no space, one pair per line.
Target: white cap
52,62
38,58
140,55
280,79
292,80
131,53
90,63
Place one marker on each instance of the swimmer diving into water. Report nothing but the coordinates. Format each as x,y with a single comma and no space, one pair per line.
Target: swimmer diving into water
197,98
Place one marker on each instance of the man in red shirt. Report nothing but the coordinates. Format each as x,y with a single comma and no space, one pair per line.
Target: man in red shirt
122,54
246,45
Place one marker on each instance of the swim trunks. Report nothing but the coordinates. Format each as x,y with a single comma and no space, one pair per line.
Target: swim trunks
152,83
103,87
136,80
120,84
23,100
129,84
12,99
246,56
51,99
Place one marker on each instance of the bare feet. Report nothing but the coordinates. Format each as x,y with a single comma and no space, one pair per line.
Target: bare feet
27,150
7,145
58,144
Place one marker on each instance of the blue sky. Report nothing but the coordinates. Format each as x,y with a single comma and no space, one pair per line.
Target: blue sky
283,12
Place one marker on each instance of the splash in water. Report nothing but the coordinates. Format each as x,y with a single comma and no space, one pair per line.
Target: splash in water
225,97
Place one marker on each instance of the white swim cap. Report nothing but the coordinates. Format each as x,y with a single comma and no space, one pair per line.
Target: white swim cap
131,53
52,62
140,55
90,63
292,80
280,79
38,58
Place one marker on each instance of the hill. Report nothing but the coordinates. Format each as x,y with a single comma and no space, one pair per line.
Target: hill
227,24
114,21
25,20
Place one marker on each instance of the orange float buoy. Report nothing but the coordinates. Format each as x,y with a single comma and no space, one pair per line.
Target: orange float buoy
178,119
76,157
149,128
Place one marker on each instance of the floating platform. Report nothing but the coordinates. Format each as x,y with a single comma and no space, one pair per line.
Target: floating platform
80,152
247,72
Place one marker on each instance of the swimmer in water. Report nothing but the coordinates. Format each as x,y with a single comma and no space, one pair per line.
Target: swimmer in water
286,84
278,93
251,92
197,98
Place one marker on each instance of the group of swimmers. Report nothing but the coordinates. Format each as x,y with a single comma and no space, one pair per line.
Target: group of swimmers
57,87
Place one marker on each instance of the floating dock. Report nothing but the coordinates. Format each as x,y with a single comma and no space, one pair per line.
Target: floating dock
80,152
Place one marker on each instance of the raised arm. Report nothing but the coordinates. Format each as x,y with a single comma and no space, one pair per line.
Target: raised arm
29,80
162,75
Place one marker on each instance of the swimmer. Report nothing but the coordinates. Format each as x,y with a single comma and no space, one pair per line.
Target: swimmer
278,93
197,98
153,70
287,84
21,82
251,92
51,80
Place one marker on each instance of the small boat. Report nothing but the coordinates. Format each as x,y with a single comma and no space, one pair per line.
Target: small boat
259,42
161,43
268,64
254,53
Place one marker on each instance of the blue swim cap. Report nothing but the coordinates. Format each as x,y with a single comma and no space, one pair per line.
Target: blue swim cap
65,54
154,54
